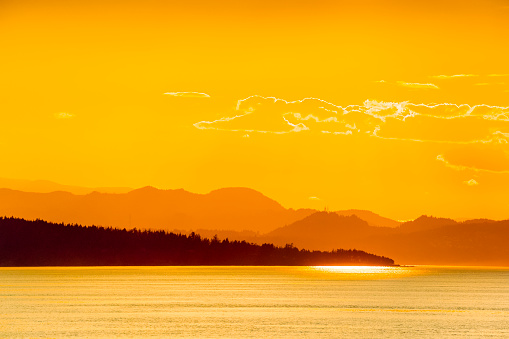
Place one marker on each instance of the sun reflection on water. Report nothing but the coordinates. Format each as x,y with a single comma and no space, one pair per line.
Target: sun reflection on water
356,269
362,272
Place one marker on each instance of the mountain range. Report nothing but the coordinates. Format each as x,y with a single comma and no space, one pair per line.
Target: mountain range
245,214
235,209
426,240
46,186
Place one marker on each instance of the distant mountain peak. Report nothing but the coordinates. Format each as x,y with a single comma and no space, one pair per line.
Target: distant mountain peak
371,218
321,223
235,189
248,196
334,217
430,218
479,221
146,189
239,191
425,222
46,186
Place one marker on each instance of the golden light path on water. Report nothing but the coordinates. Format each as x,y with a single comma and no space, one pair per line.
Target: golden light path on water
254,302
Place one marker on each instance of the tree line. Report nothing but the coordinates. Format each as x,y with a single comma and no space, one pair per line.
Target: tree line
41,243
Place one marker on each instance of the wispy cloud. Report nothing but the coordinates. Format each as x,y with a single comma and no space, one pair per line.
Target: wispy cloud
188,94
414,85
500,138
441,158
453,76
459,167
250,123
417,85
469,137
63,115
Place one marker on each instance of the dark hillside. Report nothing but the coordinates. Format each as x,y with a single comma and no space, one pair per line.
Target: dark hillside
40,243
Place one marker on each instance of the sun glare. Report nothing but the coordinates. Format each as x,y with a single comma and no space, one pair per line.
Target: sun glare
355,269
363,272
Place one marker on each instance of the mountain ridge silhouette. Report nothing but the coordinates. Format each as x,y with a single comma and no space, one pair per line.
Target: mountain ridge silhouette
426,240
148,207
245,214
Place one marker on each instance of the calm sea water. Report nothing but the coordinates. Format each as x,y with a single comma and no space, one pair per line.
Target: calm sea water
254,302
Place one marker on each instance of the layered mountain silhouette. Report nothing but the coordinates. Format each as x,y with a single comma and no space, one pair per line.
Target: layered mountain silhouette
426,240
245,214
46,186
234,209
425,223
371,218
323,229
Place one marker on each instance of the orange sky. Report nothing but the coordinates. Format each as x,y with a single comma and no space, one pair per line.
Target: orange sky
399,107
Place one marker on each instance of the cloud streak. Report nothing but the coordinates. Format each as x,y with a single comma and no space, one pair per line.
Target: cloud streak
413,85
188,94
459,167
417,85
453,76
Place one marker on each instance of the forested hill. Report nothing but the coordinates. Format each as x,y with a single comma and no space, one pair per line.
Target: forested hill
40,243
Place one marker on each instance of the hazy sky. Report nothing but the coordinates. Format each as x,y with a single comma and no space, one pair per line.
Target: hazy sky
400,107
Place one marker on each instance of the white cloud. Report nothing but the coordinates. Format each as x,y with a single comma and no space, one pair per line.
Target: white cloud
500,138
471,182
